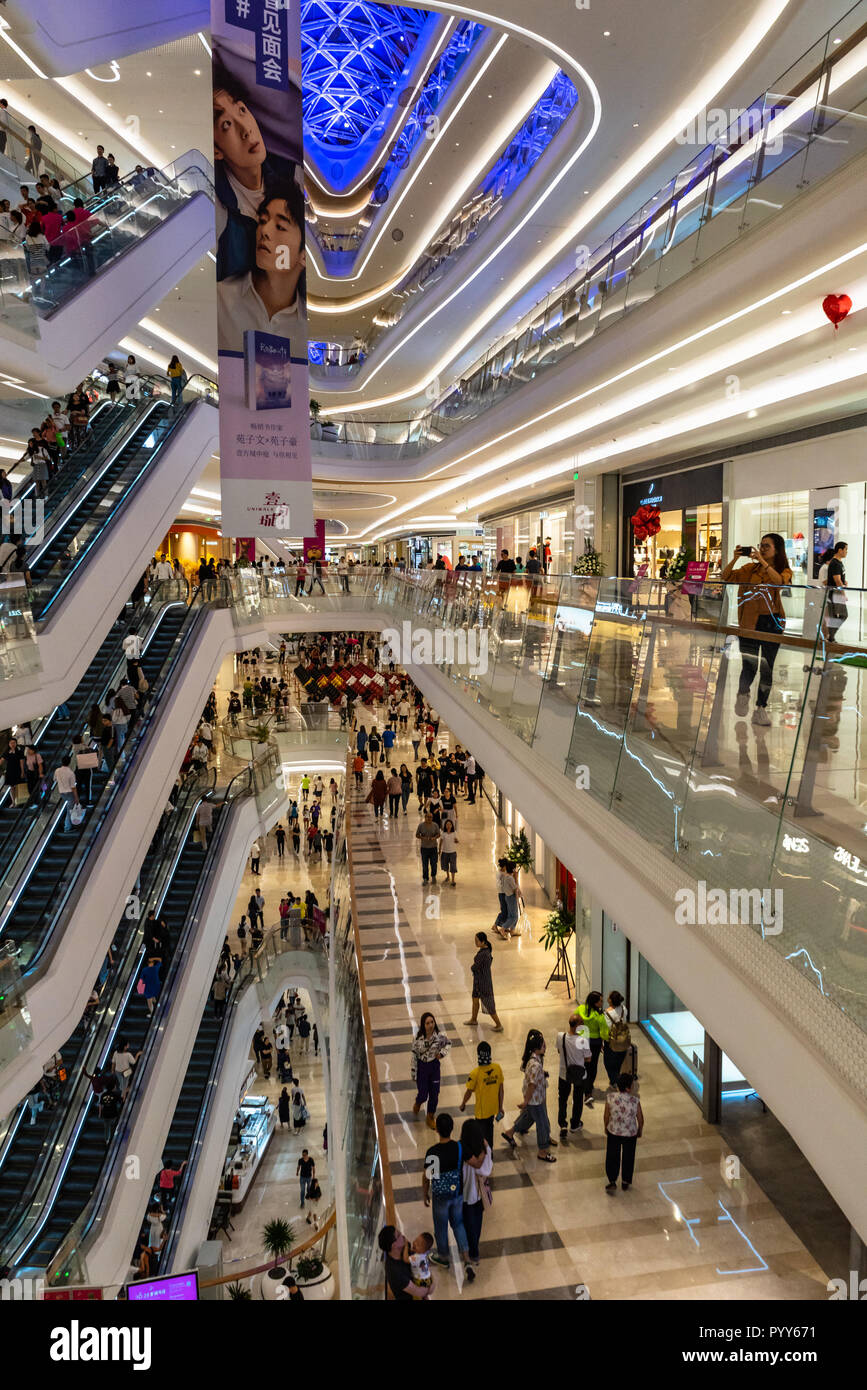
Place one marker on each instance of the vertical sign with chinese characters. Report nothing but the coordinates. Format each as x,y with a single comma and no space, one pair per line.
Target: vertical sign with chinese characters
265,466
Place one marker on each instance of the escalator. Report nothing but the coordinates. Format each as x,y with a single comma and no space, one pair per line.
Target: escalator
60,556
53,736
132,245
49,856
84,1164
104,424
72,1130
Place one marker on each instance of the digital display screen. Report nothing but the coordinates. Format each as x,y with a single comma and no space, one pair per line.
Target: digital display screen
175,1288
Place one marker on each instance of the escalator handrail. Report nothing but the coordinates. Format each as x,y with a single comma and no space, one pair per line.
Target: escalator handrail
166,682
83,486
59,1144
33,842
116,1151
120,507
24,488
98,209
145,607
84,1096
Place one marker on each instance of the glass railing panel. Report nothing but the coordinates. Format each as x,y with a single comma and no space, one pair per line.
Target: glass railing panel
744,758
606,692
569,643
675,669
19,650
532,656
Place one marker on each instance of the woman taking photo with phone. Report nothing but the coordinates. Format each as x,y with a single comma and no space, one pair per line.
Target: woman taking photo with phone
760,609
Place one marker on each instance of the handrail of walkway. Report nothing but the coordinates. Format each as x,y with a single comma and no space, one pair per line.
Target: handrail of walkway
378,1112
322,1234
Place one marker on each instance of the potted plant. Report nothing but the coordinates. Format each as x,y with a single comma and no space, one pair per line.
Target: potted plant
314,1278
238,1291
519,850
315,426
278,1239
558,928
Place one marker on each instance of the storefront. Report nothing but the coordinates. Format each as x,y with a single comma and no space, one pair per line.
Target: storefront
190,544
689,502
675,1031
551,525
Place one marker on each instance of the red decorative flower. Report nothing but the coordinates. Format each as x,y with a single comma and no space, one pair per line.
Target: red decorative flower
645,523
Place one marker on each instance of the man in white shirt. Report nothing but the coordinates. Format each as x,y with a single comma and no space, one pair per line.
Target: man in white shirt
573,1051
164,569
269,298
132,645
64,781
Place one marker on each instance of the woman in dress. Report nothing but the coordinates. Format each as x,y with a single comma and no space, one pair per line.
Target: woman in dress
429,1046
483,987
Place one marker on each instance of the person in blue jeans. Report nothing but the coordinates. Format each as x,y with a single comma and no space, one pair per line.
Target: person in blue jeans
306,1172
443,1189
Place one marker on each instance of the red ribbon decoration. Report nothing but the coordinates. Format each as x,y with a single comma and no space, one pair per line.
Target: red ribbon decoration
645,523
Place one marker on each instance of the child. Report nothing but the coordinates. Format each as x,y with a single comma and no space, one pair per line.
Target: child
419,1262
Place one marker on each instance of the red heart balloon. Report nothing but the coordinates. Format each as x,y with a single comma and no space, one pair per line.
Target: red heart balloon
836,307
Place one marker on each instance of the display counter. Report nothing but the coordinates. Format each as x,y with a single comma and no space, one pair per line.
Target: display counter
255,1121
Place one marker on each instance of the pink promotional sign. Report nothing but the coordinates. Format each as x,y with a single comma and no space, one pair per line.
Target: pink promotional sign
696,574
265,465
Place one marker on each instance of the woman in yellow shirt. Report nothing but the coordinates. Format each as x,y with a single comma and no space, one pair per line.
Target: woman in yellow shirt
178,379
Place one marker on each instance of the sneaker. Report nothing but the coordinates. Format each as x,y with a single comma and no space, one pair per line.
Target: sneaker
609,1187
742,705
576,1128
626,1186
563,1131
469,1272
761,716
438,1260
588,1102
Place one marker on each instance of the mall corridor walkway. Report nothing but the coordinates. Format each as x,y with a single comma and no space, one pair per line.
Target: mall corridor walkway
684,1231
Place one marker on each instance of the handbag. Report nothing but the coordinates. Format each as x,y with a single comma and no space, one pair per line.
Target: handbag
485,1192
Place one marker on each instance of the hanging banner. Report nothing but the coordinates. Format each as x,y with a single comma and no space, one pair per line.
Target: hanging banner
265,466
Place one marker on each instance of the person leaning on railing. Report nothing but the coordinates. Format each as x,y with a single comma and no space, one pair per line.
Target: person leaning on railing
760,609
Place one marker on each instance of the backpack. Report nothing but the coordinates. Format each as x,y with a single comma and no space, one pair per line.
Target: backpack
242,932
619,1036
447,1184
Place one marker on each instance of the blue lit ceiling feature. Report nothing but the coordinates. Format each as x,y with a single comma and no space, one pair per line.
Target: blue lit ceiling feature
438,81
553,107
353,55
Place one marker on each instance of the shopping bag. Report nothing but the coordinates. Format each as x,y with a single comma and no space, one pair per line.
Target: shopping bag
76,815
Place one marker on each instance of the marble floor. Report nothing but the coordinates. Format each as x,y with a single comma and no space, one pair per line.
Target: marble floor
694,1226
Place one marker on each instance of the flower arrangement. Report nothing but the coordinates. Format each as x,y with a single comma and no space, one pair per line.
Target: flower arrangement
590,562
677,566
